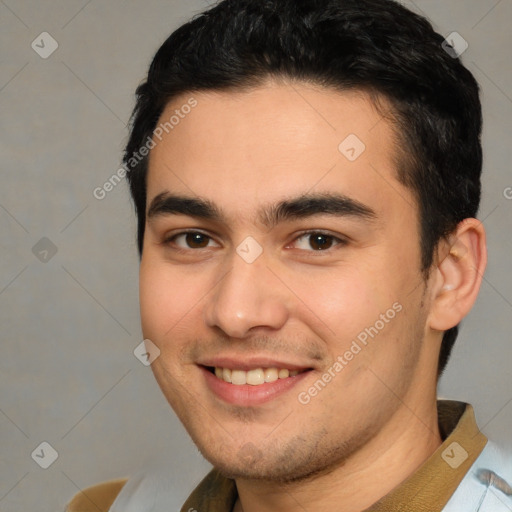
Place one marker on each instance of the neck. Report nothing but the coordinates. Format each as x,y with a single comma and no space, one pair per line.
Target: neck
406,441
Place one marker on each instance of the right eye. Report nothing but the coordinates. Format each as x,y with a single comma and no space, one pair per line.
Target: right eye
189,240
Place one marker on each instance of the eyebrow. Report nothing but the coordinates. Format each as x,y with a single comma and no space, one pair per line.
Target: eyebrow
303,206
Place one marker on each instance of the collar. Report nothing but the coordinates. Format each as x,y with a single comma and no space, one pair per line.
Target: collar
426,490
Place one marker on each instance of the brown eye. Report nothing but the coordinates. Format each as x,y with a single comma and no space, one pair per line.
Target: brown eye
320,241
190,240
316,241
196,240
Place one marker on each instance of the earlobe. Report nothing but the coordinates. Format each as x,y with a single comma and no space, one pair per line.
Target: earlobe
462,258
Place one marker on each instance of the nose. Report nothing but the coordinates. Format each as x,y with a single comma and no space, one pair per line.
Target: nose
248,296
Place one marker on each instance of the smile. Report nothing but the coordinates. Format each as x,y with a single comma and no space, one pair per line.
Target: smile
252,386
254,377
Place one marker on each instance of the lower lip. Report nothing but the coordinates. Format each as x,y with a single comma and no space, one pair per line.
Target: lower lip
248,395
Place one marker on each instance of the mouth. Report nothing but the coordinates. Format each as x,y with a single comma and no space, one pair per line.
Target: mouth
254,377
251,387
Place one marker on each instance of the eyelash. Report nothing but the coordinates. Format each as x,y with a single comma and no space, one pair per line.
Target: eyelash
340,241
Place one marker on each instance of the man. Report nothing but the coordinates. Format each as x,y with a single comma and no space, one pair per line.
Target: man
306,176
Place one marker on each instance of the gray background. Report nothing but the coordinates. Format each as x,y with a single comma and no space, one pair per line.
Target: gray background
70,324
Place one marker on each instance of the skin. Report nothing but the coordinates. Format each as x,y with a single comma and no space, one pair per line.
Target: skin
375,422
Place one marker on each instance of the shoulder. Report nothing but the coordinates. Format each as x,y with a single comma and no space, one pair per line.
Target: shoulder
97,498
498,459
157,486
488,483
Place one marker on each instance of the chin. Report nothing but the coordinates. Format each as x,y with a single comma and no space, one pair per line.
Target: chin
285,465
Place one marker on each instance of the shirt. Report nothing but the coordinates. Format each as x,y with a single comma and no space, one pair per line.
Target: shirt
467,473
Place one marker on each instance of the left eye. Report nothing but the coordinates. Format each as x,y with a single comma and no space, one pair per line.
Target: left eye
317,241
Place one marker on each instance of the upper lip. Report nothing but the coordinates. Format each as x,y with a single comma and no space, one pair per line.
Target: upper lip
250,363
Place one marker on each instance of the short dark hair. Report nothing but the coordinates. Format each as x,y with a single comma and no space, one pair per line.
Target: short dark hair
377,46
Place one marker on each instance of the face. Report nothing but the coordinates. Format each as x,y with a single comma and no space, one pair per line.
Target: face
280,278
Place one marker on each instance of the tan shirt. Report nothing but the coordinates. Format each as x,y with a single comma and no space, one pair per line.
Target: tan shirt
426,490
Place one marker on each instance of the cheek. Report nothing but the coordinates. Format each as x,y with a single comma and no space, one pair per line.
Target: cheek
166,298
346,300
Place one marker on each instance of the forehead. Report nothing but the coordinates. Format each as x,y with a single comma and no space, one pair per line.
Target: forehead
278,140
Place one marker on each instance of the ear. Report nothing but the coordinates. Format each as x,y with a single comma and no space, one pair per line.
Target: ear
460,264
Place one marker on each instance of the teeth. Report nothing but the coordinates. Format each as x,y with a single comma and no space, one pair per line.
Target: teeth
226,374
271,375
238,377
254,377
